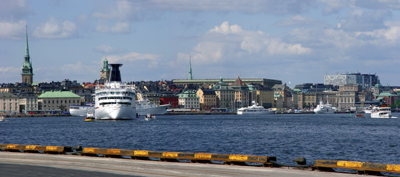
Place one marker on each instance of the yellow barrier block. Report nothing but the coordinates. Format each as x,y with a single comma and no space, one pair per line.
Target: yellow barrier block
170,154
238,157
30,147
202,156
113,151
12,146
350,164
140,153
89,150
393,168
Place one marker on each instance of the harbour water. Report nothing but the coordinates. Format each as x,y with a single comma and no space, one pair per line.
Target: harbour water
286,136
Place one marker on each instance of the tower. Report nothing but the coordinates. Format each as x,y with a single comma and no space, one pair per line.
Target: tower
105,71
190,77
27,70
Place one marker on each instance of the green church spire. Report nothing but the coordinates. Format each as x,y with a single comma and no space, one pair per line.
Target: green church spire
27,46
27,70
190,77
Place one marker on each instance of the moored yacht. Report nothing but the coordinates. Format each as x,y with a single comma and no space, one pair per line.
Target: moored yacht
254,109
324,108
115,100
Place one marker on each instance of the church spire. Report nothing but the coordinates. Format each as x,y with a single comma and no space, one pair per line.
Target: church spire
27,70
27,46
190,77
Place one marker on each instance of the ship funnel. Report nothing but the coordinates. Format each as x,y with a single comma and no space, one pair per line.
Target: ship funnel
115,73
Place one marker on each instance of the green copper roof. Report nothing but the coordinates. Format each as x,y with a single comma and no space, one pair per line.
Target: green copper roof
58,94
105,65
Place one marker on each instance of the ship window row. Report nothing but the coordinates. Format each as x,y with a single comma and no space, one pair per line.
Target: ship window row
121,103
115,93
110,98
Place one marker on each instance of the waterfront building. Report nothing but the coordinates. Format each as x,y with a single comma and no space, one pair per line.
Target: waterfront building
262,95
170,98
17,87
348,96
269,83
9,103
225,95
27,102
57,100
207,98
27,69
278,101
365,80
188,99
241,93
286,96
105,71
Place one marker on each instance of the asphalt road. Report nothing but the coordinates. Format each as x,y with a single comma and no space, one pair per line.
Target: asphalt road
33,164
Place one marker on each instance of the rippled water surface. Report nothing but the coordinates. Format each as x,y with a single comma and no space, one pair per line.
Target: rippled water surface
332,137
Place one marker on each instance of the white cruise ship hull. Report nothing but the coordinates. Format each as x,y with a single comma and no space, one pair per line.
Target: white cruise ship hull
156,110
115,112
81,111
381,115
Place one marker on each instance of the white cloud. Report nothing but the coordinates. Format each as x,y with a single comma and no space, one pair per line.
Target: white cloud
10,74
107,49
153,59
56,30
231,43
10,30
119,27
364,20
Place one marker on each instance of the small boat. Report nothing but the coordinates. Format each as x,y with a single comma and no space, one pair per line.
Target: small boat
89,117
2,118
360,115
149,117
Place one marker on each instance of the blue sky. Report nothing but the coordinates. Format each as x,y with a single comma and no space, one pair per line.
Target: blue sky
293,41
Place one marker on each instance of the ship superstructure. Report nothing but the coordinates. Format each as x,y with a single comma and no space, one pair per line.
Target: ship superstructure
115,100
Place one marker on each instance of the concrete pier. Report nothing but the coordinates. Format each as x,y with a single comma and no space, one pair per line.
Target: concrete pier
35,164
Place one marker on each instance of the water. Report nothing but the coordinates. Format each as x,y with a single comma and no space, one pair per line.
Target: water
331,137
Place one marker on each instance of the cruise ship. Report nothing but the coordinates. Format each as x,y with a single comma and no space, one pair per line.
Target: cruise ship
115,100
144,107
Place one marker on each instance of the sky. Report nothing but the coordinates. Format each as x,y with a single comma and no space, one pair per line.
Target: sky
293,41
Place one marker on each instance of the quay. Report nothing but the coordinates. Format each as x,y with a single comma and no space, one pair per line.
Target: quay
38,160
35,164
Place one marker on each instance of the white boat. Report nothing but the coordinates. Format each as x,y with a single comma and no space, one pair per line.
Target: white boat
144,107
80,111
115,100
150,117
324,108
2,118
382,112
254,109
368,110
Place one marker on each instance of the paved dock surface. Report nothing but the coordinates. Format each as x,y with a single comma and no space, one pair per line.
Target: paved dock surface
33,164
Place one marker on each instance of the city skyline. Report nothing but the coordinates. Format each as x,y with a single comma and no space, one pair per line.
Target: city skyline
293,41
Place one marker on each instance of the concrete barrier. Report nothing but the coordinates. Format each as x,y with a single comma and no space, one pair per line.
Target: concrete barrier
35,148
361,167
